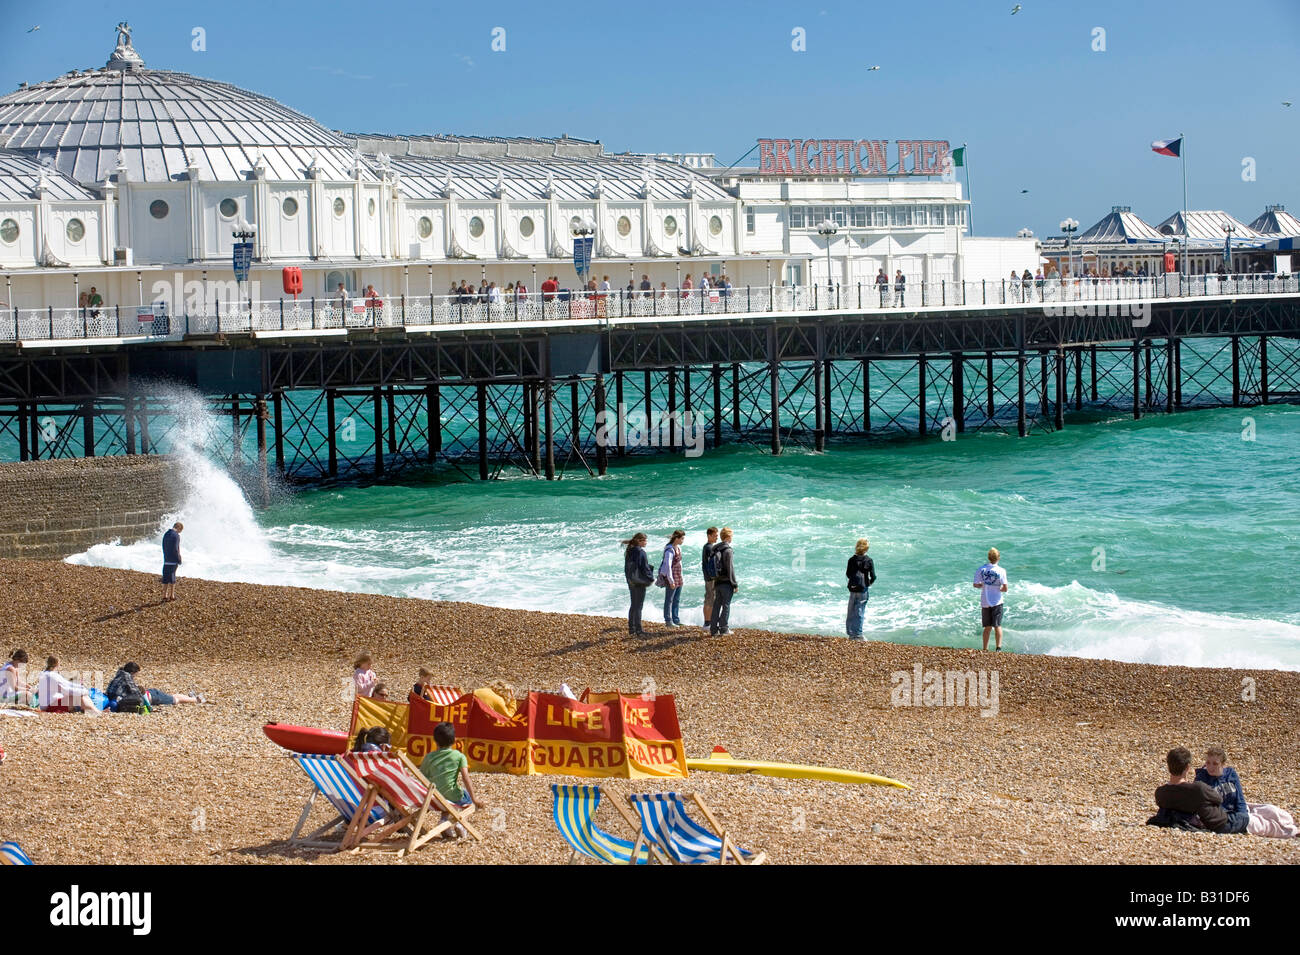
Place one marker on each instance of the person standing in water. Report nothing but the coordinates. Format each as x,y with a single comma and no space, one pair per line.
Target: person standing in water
171,546
991,580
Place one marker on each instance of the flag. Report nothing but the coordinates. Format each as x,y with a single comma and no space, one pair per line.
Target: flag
959,156
1227,251
1168,147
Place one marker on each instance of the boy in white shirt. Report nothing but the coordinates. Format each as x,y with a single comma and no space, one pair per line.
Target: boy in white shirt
991,581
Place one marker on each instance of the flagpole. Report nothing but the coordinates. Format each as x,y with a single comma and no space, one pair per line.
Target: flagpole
1182,153
970,213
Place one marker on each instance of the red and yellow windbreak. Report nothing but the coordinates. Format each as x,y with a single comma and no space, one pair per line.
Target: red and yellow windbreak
611,735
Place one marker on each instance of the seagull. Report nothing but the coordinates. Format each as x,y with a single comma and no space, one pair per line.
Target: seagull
1285,103
34,29
1024,192
1015,9
871,69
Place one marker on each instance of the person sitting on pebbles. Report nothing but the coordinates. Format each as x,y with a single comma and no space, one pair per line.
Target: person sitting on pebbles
57,691
1261,819
13,681
375,739
123,684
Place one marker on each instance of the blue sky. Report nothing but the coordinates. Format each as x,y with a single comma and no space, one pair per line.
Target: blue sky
1040,108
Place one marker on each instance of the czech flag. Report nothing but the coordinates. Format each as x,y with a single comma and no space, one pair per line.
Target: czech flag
1168,147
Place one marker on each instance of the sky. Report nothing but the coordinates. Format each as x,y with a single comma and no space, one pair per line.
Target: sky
1058,102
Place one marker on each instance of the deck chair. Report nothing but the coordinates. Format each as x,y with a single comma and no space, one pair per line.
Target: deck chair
333,779
414,805
672,834
11,854
574,808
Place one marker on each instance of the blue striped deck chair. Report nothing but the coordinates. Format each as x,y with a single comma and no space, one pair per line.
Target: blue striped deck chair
671,833
11,854
574,808
332,779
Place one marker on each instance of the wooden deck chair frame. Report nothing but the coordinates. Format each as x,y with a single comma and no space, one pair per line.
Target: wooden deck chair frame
658,856
617,803
388,835
320,837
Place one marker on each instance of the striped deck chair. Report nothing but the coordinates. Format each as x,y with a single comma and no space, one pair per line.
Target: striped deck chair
333,779
415,805
671,833
11,854
445,695
574,808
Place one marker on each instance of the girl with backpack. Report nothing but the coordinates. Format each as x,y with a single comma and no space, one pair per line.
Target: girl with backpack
640,575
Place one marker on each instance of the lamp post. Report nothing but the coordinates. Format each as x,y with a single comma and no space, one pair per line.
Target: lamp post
244,233
583,229
828,229
1228,228
1069,227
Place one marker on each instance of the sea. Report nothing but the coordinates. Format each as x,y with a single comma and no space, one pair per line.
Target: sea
1174,539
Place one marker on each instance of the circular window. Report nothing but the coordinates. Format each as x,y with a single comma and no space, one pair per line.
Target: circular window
339,206
670,225
715,225
424,227
370,207
158,209
9,230
76,230
229,208
624,226
526,226
290,207
476,227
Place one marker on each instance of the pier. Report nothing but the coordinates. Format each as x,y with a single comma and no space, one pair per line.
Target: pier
536,385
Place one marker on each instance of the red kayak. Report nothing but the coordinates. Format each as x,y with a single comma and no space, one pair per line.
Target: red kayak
307,739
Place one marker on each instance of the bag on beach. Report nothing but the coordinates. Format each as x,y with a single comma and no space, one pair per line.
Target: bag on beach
132,703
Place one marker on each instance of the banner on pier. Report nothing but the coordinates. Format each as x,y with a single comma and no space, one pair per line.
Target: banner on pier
608,735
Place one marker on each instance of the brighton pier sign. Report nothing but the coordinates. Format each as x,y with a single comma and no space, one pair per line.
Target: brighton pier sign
852,157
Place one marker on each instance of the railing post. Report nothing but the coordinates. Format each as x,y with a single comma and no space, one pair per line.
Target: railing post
924,283
814,308
943,292
984,290
313,311
403,301
50,310
85,323
749,299
1004,291
431,322
282,314
679,299
771,297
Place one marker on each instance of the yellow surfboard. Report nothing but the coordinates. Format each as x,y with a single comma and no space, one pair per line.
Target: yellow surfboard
720,761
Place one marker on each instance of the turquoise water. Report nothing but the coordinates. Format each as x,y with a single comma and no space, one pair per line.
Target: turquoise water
1168,540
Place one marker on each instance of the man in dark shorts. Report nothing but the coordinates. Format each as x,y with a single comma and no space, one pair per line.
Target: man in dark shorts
171,544
991,581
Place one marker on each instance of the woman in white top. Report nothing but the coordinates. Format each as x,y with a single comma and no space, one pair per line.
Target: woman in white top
13,680
56,690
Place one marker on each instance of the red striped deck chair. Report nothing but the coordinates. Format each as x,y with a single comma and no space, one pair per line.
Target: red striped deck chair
440,695
418,811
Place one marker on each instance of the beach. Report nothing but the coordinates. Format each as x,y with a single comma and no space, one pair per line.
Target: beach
1062,773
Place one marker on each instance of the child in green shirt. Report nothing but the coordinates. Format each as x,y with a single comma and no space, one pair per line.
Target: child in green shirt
447,769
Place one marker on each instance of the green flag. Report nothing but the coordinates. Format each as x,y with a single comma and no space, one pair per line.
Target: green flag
959,156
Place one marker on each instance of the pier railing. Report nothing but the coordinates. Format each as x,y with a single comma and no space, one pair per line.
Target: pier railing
499,306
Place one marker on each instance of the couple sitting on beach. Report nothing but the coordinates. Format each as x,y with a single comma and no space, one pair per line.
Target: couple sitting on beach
446,767
1214,800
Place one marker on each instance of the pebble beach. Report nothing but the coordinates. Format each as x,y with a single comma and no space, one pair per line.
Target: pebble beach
1063,773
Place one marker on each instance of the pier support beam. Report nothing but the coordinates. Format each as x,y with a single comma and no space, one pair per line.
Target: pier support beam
1263,369
88,429
1092,356
376,399
774,377
920,396
237,448
620,438
575,421
146,444
1171,373
128,416
1044,388
717,405
649,403
828,418
481,412
1137,379
602,441
263,482
1022,426
1146,357
331,429
391,403
1178,373
433,419
1078,379
535,445
866,396
277,404
735,397
819,419
1060,367
1236,371
24,452
672,408
548,416
958,393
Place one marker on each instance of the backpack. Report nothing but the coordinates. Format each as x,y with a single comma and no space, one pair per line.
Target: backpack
132,703
711,563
